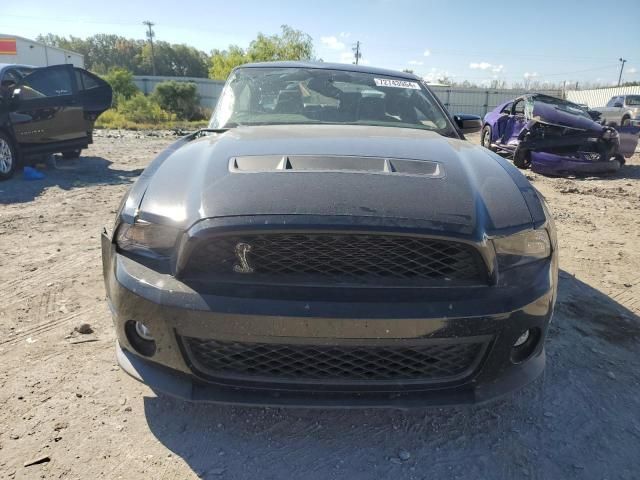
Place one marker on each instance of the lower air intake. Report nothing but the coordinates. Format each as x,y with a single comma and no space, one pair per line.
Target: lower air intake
434,362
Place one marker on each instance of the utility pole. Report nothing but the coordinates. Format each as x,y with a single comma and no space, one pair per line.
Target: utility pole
357,53
150,35
621,68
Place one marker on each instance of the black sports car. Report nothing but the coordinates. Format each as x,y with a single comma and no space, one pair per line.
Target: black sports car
331,240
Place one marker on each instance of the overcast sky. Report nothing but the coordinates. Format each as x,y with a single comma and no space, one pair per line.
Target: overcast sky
545,40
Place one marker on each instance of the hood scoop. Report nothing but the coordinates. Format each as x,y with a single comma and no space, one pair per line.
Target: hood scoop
335,164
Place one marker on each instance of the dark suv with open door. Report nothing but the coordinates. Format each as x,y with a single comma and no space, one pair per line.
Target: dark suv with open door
47,110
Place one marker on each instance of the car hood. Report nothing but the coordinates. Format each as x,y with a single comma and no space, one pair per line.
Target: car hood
551,114
437,182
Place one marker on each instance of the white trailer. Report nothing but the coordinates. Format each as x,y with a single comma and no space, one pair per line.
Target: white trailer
15,49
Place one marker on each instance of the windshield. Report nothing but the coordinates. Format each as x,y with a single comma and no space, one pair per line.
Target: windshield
272,96
633,100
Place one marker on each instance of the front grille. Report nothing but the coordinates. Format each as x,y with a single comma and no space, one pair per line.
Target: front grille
329,258
434,362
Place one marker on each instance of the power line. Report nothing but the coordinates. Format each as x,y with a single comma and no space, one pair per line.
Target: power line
489,74
150,35
69,20
494,53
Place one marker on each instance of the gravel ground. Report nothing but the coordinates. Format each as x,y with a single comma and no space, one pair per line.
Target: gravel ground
68,407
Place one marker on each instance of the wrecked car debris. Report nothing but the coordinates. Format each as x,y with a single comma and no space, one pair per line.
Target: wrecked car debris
554,137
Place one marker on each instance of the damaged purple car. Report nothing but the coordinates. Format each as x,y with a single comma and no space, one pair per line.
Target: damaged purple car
554,136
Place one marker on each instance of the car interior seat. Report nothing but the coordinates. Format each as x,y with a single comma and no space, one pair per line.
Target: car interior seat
372,108
400,106
289,101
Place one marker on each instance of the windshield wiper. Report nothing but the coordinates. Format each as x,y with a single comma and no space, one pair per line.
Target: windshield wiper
448,133
211,130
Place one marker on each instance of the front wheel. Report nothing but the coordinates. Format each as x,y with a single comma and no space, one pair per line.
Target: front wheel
626,121
8,157
71,154
522,158
485,138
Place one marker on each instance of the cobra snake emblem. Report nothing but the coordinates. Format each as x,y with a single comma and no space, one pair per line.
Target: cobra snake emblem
243,266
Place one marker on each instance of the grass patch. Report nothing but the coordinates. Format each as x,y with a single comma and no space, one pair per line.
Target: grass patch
116,120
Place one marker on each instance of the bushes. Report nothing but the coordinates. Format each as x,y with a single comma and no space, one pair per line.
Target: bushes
141,109
121,82
171,104
116,120
178,98
136,112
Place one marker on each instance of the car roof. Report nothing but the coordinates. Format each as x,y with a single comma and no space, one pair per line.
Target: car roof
19,65
332,66
4,66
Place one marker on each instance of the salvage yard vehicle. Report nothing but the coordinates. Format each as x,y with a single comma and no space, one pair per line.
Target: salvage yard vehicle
331,240
555,136
47,110
623,110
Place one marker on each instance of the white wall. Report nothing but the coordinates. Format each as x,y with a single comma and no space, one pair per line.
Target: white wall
39,55
600,96
479,101
208,90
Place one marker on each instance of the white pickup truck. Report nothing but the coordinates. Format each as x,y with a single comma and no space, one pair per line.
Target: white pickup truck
621,110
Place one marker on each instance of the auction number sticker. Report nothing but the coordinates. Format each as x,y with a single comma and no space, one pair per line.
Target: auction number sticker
387,82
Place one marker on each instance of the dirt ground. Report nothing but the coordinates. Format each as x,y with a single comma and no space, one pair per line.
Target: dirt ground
63,397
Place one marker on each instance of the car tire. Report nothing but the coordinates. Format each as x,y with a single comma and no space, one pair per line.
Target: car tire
626,121
522,158
485,138
8,157
71,154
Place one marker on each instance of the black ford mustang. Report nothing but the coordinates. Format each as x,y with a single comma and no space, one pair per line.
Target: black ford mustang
331,240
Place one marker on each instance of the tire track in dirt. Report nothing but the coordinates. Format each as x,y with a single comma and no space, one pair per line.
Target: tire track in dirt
629,297
47,274
46,326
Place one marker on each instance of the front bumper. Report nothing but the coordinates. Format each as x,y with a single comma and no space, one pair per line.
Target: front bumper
173,311
553,164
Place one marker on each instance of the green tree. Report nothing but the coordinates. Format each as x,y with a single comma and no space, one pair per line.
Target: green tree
223,61
291,44
121,82
174,60
102,52
179,98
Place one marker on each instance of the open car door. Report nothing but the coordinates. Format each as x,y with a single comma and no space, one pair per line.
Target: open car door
515,123
94,94
45,111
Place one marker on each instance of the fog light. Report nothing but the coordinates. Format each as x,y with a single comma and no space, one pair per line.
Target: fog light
526,345
145,333
522,339
140,338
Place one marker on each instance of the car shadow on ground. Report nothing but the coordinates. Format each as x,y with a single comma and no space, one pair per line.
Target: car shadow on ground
67,175
580,416
626,172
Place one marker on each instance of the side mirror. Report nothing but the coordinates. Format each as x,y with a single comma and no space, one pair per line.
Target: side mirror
468,123
617,105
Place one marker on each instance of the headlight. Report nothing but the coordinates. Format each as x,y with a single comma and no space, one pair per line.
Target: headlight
147,239
522,247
